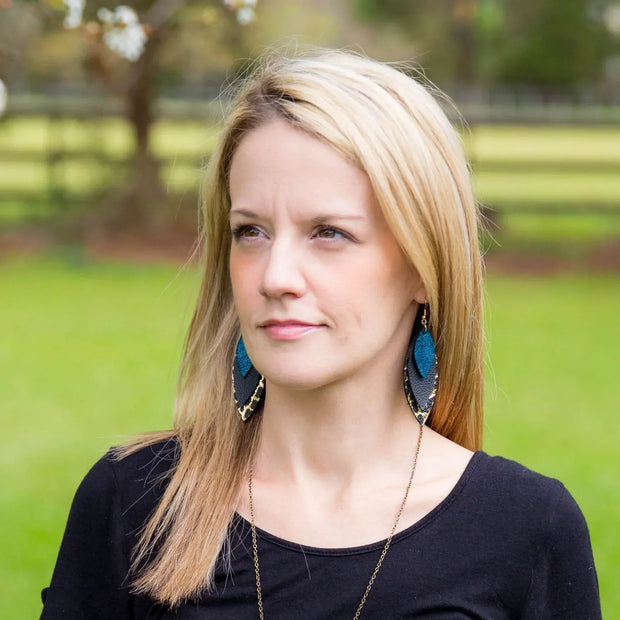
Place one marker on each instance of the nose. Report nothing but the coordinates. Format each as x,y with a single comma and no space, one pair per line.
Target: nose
282,274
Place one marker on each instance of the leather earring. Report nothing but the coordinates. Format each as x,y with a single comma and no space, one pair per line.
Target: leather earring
420,373
248,383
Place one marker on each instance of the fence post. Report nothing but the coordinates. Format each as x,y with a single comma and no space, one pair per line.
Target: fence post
55,156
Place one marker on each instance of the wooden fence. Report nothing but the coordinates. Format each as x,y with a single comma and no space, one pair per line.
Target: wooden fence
52,156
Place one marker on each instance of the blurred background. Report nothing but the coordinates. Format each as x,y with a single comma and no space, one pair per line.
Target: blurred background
109,113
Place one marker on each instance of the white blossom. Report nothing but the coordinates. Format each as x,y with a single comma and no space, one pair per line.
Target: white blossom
3,97
235,5
121,16
74,9
124,33
106,16
127,42
245,15
243,8
612,19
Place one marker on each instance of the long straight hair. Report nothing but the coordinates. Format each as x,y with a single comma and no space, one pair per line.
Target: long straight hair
391,127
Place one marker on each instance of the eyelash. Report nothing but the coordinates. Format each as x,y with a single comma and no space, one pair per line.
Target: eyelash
239,232
337,233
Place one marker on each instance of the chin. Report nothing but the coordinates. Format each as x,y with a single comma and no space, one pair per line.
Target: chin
305,378
301,381
300,377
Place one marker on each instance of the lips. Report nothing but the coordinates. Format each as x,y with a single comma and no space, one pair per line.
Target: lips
290,329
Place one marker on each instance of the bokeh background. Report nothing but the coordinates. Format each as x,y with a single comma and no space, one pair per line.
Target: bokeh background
108,115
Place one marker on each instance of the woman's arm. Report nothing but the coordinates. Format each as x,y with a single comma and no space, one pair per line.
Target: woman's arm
564,583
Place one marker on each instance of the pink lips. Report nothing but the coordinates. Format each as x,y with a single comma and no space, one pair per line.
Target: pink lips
288,330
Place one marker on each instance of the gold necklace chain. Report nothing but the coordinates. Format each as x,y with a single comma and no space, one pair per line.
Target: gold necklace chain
381,557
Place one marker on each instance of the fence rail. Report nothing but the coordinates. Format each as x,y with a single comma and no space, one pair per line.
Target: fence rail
54,158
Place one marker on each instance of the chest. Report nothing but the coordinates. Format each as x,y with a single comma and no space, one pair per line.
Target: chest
416,580
356,521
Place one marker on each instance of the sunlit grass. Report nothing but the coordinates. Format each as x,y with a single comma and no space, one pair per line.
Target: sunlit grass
112,136
37,133
568,228
33,177
539,188
544,143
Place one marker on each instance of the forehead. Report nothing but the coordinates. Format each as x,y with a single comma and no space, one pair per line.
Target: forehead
277,165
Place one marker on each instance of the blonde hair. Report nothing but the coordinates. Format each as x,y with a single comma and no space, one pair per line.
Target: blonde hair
393,129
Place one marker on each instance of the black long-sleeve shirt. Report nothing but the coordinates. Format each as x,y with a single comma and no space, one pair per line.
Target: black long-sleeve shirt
505,543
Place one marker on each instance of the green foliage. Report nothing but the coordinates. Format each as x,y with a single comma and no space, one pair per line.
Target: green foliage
551,44
82,371
384,9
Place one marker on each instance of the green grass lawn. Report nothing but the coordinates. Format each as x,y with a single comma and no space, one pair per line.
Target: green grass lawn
89,354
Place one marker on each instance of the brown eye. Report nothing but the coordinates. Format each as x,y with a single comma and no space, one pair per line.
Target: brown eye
246,231
329,233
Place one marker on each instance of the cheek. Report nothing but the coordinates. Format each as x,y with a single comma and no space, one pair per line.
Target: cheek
377,295
234,268
347,298
243,280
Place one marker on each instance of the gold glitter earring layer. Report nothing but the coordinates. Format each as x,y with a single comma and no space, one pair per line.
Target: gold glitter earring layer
248,383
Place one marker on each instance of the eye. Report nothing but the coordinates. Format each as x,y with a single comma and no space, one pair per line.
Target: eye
246,231
329,232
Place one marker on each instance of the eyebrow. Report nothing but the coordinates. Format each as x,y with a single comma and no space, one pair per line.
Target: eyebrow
321,219
317,219
244,212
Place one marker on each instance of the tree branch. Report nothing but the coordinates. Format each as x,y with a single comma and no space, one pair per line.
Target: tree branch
161,12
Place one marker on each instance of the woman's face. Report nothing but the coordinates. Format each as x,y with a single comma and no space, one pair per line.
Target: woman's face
320,285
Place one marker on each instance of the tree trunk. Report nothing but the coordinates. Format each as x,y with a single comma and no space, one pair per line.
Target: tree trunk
142,200
464,16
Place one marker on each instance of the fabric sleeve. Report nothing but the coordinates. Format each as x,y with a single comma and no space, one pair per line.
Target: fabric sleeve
564,583
89,580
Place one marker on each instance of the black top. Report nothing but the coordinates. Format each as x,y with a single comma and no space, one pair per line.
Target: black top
505,543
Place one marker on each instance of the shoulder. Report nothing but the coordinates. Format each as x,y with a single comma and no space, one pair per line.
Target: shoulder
142,466
126,467
108,512
133,483
528,527
494,490
525,500
533,520
507,479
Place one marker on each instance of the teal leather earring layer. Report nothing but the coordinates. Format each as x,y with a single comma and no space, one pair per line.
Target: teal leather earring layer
420,373
248,383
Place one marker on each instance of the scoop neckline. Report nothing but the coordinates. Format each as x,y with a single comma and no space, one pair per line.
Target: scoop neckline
369,547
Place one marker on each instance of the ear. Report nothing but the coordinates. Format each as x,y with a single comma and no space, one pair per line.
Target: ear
419,290
419,295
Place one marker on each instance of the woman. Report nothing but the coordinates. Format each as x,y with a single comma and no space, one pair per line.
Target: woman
342,285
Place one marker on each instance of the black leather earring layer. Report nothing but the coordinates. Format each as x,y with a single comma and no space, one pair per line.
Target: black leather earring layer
248,383
420,373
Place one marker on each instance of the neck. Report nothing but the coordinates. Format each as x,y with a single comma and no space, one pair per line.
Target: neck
337,433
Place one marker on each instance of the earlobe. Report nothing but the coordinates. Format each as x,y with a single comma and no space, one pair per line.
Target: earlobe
419,294
418,290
